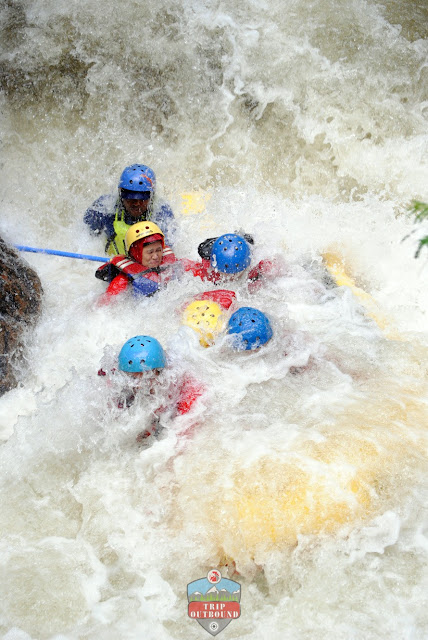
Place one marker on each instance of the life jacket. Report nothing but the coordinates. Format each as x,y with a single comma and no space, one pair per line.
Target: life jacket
124,265
223,297
116,244
183,396
190,391
202,269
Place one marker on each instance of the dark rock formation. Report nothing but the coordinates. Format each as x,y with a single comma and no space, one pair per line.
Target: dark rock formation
20,306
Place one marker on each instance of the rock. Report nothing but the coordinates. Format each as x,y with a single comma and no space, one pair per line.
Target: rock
20,307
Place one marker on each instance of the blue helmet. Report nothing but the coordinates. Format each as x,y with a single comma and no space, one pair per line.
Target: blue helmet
141,353
137,178
251,328
230,253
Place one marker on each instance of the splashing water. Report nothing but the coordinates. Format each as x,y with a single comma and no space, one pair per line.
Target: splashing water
305,471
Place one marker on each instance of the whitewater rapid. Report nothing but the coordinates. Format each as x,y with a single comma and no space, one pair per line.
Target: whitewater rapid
303,124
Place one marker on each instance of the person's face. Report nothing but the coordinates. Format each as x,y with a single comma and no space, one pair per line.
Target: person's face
147,375
146,381
151,255
136,208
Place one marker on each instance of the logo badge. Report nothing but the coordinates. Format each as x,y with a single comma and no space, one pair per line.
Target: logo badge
214,601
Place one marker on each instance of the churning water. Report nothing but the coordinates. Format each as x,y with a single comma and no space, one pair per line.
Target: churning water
303,123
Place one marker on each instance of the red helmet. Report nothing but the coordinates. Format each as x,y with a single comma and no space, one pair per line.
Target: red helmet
136,249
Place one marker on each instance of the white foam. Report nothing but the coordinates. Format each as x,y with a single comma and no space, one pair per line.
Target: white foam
307,125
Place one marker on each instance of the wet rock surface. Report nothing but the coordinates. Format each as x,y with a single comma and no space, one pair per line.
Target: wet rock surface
20,306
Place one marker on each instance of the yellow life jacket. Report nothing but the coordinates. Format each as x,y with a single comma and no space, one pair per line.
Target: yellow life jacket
116,245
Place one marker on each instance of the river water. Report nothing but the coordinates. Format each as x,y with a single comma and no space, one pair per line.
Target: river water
304,479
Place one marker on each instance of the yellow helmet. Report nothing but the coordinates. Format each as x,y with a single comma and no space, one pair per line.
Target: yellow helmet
142,230
206,318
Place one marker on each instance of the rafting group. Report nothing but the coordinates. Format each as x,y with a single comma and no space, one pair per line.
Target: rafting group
140,229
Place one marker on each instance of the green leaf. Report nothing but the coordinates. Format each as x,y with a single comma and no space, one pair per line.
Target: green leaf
420,212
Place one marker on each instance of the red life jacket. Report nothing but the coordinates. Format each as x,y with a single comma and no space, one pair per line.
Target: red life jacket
264,269
190,391
129,267
184,397
223,297
202,269
120,270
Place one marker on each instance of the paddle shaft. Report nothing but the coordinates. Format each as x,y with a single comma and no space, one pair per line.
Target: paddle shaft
65,254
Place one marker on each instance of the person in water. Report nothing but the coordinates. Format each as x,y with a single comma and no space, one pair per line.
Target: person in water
228,259
135,202
249,329
210,315
207,314
144,266
142,359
